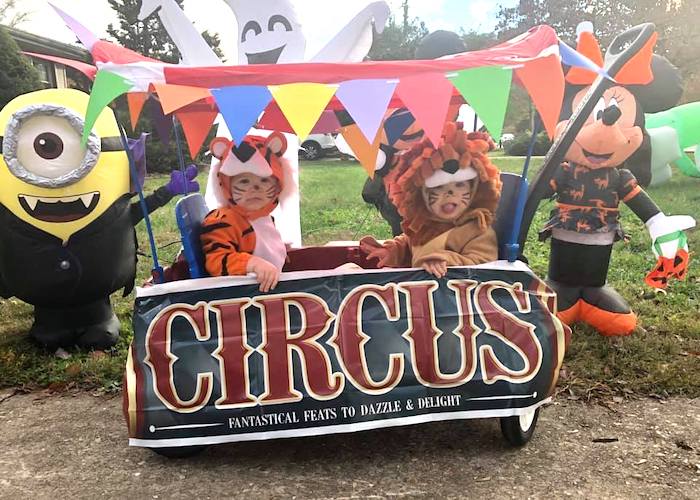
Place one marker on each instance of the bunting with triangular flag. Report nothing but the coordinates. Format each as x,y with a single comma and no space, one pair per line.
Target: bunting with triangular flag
162,123
487,90
135,101
365,152
544,81
106,88
174,97
302,104
367,102
428,97
196,125
241,107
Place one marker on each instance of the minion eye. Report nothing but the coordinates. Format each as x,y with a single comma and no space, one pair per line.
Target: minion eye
42,146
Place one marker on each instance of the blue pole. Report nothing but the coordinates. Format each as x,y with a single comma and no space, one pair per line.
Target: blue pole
512,247
178,144
157,270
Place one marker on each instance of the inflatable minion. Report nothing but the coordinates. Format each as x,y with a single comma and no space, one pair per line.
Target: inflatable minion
67,238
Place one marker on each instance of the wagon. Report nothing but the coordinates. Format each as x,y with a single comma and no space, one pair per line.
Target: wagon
332,350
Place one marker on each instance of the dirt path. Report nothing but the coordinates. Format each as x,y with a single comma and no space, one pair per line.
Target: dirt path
74,446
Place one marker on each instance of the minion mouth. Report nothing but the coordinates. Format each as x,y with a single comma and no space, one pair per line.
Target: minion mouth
269,57
596,158
64,209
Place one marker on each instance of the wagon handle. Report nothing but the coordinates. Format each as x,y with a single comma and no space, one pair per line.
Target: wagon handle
622,49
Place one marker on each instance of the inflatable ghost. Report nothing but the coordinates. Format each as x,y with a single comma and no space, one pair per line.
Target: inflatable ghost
67,237
270,32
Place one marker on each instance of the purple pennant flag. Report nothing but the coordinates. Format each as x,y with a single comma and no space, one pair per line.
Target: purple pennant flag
571,57
163,124
367,102
241,106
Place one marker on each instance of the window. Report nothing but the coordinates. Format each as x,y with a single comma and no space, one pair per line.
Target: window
47,73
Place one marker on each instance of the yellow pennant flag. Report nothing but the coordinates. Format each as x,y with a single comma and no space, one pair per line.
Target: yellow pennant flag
302,104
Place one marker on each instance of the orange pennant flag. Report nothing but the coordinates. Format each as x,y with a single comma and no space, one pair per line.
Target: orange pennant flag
174,97
196,124
135,101
544,81
365,152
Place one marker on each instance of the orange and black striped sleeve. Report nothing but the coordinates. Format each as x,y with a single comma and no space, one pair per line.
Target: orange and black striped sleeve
226,244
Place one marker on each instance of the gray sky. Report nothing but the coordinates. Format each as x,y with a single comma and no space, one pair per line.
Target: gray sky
215,16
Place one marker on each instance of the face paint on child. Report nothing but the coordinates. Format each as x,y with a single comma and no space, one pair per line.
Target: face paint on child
253,192
451,200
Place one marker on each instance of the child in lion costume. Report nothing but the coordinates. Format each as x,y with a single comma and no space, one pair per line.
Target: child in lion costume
447,197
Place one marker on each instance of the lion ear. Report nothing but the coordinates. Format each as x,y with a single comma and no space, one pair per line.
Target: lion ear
276,143
220,147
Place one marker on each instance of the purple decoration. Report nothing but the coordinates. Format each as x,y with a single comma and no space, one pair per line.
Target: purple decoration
367,102
138,154
163,124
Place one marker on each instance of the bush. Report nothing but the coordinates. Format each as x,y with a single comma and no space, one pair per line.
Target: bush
17,75
519,145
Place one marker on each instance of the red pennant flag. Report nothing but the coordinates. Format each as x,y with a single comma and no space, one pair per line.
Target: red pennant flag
174,97
544,81
274,119
196,124
136,100
427,96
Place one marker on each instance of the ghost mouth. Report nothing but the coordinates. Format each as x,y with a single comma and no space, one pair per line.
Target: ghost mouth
596,158
64,209
269,57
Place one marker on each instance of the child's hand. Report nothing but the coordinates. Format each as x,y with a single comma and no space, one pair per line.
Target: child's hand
267,274
436,267
374,250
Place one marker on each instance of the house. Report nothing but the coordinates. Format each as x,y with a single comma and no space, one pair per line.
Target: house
53,74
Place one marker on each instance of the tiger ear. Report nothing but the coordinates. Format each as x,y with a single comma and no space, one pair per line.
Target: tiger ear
220,147
276,143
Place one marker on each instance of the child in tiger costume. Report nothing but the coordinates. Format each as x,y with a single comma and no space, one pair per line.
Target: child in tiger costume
447,197
240,236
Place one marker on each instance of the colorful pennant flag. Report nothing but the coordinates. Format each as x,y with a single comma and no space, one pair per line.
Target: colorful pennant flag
487,90
135,101
367,102
196,124
365,152
241,107
274,119
327,124
428,97
163,124
174,97
579,63
544,81
105,89
302,104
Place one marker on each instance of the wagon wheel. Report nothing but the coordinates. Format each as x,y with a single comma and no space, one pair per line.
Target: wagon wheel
519,429
179,451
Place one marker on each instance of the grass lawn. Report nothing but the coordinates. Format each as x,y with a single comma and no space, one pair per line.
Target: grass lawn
662,357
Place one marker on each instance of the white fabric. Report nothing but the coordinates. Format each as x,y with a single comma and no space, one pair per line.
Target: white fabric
268,242
661,225
440,177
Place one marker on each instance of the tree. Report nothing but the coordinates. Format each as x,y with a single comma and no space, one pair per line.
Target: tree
148,37
18,76
9,15
399,40
474,40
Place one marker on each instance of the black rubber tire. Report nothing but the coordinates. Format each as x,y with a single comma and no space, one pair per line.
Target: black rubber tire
513,431
179,451
311,150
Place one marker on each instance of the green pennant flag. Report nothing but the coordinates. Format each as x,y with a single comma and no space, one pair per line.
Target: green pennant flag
106,87
487,90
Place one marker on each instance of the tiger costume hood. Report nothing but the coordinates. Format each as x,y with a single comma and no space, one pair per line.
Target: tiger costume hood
261,156
458,150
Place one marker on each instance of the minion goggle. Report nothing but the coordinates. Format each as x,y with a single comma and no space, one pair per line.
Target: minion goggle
42,146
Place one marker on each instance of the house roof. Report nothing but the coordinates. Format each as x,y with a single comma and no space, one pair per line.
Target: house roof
29,42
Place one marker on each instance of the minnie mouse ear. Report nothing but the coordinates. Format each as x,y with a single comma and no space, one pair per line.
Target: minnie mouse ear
664,91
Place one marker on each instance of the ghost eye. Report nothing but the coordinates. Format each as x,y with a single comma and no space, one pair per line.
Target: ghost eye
277,20
250,26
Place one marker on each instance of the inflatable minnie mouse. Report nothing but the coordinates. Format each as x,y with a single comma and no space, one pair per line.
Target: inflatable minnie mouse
608,163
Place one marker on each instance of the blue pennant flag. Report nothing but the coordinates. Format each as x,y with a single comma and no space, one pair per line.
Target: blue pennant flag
571,57
241,106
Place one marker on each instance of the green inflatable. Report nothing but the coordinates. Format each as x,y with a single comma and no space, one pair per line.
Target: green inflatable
685,122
